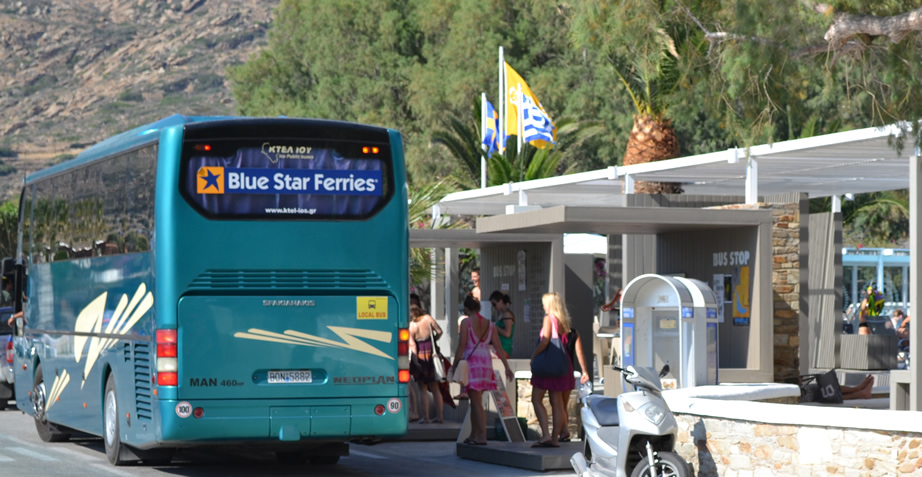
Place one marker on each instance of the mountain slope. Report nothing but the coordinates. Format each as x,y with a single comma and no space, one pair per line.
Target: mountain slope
73,73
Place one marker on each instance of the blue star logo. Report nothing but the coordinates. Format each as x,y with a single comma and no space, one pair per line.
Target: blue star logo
211,180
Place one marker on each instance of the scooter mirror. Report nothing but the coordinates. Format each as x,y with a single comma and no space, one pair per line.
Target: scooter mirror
664,371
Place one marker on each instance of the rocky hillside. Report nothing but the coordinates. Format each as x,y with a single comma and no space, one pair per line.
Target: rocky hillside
75,72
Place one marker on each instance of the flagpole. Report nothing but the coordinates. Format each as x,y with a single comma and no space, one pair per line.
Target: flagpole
502,103
483,130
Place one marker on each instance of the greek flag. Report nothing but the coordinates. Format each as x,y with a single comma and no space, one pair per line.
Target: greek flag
489,129
536,125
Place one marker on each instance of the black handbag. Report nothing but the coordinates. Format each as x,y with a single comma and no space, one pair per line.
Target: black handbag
822,388
553,362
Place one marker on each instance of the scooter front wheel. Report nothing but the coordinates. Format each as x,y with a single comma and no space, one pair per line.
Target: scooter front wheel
668,464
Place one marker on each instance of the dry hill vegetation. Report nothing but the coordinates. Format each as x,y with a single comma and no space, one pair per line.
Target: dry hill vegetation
75,72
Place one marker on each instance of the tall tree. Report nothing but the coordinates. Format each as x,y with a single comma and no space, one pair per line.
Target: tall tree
338,60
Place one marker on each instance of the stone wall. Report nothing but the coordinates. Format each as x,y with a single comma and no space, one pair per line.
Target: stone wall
725,447
786,290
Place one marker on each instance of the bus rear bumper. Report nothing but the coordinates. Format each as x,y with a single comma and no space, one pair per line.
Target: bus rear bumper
224,421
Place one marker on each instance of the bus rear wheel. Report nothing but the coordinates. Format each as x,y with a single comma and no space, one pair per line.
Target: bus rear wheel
291,457
323,459
114,446
47,431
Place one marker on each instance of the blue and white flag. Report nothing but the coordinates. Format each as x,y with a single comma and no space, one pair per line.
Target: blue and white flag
536,125
489,128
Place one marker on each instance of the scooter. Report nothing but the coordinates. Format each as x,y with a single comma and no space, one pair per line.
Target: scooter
631,435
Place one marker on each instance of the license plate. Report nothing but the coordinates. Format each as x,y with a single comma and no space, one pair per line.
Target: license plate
291,376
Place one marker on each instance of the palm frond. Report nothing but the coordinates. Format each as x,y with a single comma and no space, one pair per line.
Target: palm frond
420,216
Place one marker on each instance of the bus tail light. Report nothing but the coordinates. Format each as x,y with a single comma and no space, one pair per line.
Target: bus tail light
167,358
403,355
9,352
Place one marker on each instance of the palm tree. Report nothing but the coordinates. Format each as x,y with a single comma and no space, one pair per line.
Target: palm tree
462,139
653,137
879,219
632,36
421,201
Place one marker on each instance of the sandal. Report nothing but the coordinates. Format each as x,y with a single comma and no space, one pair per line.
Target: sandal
472,442
544,444
564,438
437,421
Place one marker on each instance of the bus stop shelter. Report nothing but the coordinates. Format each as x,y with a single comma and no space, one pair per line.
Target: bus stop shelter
833,165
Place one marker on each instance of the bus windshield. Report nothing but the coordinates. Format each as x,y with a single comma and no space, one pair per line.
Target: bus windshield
286,179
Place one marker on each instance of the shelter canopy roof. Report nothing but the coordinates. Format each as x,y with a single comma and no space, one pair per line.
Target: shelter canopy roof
859,161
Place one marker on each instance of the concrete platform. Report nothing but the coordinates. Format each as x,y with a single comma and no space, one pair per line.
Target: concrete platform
521,455
443,431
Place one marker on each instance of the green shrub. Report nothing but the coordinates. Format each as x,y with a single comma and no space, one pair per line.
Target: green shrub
133,96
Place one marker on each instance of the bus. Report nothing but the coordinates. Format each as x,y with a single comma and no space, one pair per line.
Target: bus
217,281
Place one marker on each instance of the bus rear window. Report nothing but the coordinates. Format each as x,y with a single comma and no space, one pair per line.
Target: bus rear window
286,179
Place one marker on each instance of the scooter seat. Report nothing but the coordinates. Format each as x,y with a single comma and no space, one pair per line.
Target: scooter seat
605,411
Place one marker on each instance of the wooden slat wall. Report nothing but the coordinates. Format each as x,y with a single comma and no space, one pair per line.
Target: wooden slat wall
504,268
639,251
824,290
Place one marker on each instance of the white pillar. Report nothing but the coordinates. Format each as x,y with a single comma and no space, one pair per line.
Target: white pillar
915,267
855,298
437,294
752,181
628,184
836,204
904,290
880,272
452,282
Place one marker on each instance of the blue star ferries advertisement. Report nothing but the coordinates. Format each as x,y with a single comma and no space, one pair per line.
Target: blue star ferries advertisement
286,180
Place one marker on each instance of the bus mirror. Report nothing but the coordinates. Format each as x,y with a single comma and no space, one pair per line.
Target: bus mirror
9,264
7,288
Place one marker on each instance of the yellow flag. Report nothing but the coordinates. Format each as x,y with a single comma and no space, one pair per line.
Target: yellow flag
515,88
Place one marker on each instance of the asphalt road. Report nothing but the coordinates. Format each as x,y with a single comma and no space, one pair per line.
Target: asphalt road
23,453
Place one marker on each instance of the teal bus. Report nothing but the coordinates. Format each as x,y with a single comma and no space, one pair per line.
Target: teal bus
218,281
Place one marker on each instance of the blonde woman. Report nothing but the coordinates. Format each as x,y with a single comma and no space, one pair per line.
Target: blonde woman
556,323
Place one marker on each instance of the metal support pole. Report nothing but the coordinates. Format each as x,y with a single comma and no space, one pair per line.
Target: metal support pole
915,267
752,180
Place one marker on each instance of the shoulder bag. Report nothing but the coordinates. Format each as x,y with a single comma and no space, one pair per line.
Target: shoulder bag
437,359
554,361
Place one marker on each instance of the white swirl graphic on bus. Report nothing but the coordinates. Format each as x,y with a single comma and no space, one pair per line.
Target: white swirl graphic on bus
350,336
60,382
123,318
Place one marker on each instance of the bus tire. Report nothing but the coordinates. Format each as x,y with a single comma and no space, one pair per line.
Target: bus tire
47,431
323,459
115,450
155,457
291,457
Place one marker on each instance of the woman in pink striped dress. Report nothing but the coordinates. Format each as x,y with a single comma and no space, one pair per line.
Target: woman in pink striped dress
478,335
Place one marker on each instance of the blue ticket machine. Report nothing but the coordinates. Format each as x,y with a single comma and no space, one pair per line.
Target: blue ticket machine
670,320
